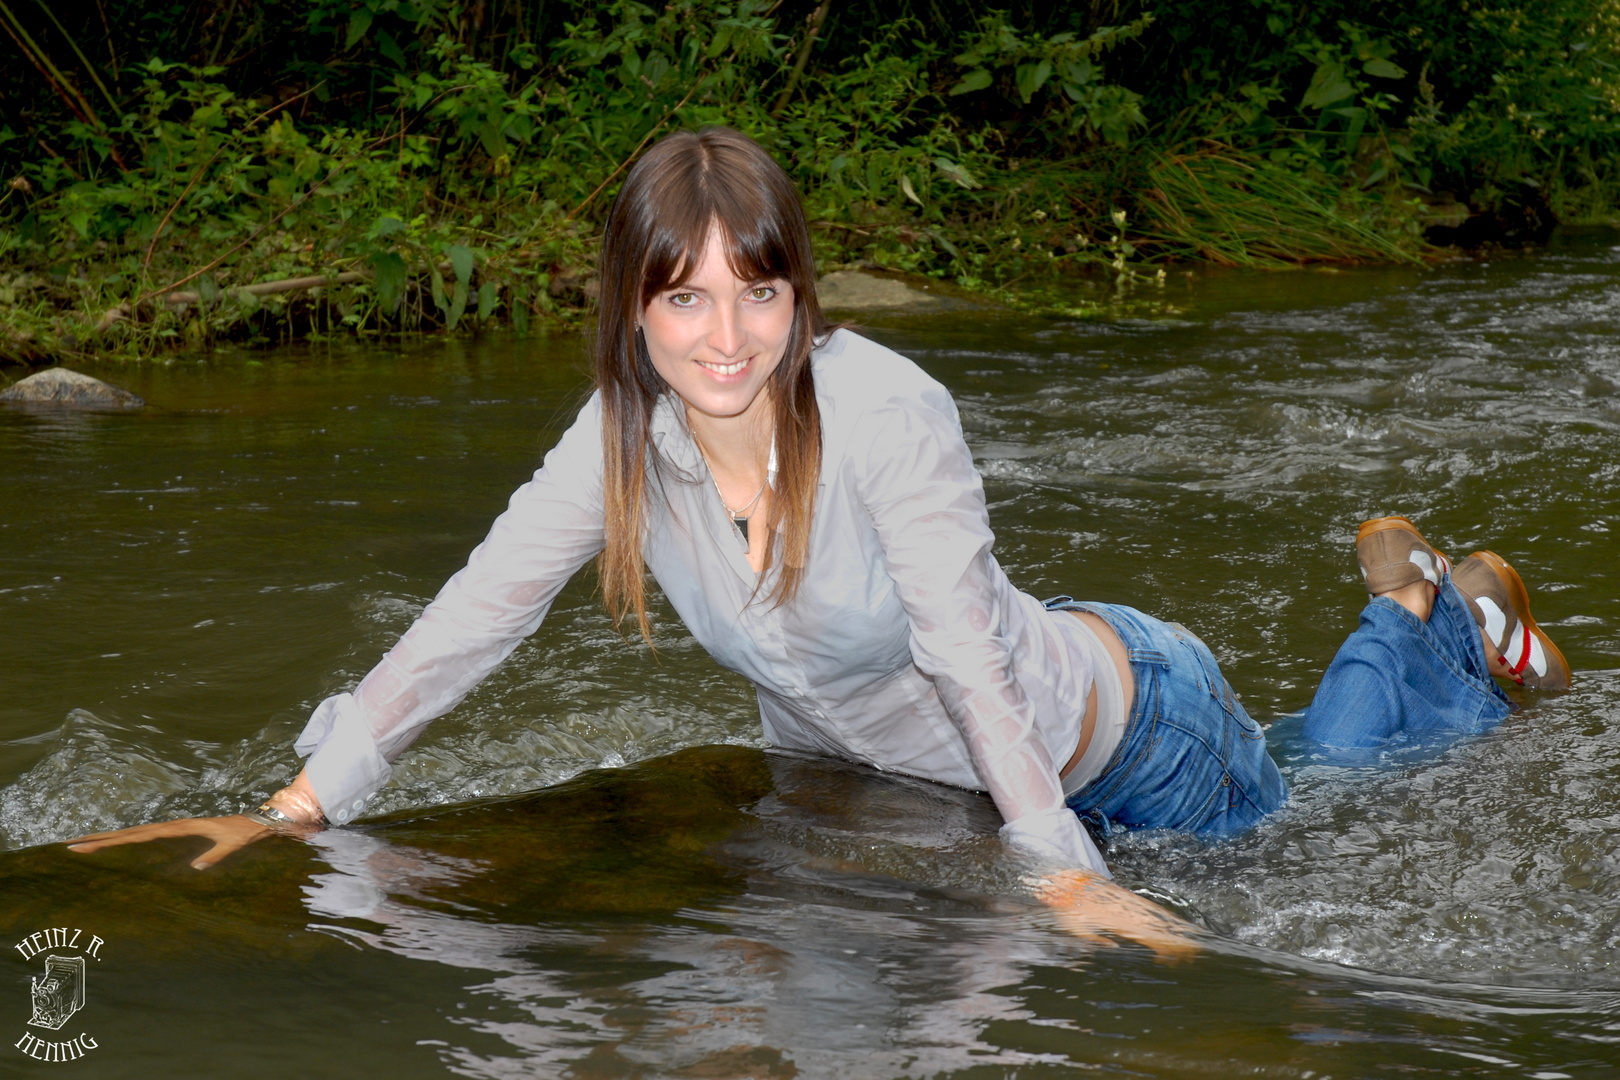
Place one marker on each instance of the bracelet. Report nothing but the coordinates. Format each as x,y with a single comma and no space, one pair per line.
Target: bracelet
271,818
304,804
268,816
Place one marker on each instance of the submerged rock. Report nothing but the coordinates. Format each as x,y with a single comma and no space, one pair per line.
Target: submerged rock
853,290
63,388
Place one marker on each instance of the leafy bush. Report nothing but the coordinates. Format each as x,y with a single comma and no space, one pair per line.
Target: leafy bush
443,163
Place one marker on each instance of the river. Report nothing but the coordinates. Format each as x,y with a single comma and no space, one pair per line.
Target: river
594,868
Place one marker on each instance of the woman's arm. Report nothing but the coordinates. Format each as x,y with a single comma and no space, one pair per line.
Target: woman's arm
552,526
226,835
926,500
927,503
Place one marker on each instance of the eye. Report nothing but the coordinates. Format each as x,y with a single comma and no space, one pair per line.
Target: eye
683,299
761,292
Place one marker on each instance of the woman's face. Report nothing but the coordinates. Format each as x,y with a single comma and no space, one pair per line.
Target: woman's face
716,339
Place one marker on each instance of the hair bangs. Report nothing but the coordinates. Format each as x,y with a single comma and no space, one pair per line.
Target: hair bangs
754,238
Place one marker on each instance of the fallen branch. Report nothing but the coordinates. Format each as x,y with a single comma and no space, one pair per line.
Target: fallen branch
267,288
260,288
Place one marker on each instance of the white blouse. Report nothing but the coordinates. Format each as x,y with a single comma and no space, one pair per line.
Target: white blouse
906,648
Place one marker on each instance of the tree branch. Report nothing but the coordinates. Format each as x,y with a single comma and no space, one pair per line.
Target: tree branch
817,17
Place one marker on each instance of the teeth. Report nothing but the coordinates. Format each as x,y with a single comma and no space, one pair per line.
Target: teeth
725,369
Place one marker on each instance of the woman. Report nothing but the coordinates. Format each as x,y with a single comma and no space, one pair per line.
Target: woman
806,501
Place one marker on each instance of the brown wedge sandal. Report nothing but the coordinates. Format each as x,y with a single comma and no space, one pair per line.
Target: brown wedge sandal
1501,605
1392,554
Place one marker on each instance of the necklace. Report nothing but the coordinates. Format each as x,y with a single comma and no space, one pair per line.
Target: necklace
739,517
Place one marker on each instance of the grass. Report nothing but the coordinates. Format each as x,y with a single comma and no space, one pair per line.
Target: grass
1221,207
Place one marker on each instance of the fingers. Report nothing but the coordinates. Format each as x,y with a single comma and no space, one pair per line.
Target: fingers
228,835
137,834
218,850
1089,906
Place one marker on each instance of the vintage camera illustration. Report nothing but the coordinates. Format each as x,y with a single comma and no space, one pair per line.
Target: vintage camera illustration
60,993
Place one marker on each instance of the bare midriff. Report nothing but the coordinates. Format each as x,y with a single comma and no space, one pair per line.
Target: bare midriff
1122,663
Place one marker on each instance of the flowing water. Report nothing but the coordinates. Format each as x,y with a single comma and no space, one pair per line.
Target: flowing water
593,868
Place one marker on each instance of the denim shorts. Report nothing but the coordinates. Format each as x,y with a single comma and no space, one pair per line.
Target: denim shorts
1191,758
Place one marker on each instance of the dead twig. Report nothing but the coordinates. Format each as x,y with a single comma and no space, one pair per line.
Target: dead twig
823,224
575,211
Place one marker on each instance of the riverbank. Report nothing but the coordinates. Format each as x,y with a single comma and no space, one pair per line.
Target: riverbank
451,275
394,169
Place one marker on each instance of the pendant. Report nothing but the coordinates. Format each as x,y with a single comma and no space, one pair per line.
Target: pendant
742,527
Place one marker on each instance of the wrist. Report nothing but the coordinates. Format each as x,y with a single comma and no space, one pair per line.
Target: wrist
271,818
299,807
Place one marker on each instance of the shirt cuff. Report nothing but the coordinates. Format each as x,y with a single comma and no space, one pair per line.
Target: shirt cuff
344,768
1056,834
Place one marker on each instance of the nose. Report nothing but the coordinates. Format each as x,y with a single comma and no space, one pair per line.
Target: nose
727,335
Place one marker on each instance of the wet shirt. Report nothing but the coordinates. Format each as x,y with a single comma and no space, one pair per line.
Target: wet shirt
906,648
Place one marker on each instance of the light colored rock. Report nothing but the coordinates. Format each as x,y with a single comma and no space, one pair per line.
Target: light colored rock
853,290
63,388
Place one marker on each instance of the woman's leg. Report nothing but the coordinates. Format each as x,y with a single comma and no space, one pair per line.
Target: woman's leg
1191,758
1399,673
1416,662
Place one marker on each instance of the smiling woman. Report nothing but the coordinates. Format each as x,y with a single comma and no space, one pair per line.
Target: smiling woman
807,503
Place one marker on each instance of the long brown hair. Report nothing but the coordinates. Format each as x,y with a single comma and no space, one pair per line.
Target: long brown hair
686,185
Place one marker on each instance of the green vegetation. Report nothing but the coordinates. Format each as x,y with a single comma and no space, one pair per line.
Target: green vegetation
172,168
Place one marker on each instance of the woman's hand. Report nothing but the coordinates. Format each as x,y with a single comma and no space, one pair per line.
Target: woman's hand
229,834
1093,908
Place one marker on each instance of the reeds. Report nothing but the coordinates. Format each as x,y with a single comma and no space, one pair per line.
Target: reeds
1234,208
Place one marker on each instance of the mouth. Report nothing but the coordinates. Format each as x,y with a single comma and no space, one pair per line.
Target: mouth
725,369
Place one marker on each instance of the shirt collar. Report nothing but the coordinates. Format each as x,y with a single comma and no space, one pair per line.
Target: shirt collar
671,435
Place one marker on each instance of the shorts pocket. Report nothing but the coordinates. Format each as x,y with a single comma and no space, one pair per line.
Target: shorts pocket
1217,686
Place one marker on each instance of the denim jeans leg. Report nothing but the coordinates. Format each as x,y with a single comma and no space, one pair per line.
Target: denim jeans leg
1191,757
1400,674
